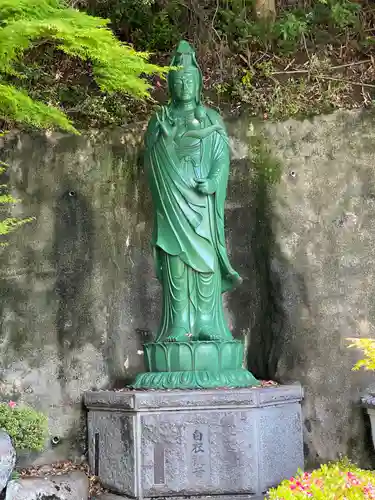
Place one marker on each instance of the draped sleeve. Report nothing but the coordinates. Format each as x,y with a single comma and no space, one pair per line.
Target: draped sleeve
187,223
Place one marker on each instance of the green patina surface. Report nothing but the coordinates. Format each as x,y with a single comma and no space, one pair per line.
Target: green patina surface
187,162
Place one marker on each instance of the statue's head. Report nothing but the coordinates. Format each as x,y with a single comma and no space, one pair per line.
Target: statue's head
185,84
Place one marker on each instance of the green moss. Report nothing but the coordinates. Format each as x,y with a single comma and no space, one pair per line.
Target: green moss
267,167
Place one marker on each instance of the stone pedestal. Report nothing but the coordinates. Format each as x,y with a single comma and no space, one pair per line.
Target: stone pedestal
226,442
194,365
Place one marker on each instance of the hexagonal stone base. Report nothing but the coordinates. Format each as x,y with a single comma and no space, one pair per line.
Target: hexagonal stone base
146,444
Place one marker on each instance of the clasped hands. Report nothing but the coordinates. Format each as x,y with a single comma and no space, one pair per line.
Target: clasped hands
206,186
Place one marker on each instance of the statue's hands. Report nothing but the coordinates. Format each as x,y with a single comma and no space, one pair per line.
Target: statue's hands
206,186
166,123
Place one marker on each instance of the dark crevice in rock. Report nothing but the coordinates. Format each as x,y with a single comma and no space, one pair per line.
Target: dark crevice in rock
256,303
354,446
265,335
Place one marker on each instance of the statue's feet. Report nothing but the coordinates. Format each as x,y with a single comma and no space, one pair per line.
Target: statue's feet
177,334
209,333
209,336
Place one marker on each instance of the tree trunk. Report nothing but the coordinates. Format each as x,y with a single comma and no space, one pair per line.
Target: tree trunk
265,9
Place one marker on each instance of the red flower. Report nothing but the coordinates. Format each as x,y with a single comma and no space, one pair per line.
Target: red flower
12,404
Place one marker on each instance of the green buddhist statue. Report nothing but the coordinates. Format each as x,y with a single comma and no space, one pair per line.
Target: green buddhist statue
187,163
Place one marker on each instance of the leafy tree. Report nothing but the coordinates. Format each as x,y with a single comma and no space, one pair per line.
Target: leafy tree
26,24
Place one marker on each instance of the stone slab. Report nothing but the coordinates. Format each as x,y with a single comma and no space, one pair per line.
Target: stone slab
172,400
71,486
227,442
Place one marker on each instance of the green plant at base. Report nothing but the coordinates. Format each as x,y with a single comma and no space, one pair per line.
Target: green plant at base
368,347
333,481
26,427
25,24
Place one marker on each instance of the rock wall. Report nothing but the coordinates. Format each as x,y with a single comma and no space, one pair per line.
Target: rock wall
323,269
77,283
79,295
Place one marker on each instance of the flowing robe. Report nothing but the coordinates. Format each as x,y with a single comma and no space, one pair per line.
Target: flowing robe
189,225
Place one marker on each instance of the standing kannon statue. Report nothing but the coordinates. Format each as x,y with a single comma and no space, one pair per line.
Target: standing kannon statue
187,161
187,164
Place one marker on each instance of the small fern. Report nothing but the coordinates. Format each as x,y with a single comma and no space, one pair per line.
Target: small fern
25,24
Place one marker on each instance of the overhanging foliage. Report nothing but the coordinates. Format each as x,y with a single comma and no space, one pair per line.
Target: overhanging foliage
25,24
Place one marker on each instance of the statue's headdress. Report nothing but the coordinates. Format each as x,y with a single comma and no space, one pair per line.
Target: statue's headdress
184,57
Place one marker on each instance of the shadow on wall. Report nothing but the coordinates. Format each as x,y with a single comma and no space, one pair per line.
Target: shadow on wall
269,318
73,252
257,304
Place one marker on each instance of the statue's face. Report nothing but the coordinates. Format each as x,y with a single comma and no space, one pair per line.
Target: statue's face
184,86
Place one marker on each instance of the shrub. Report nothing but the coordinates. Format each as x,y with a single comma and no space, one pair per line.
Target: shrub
368,347
148,24
26,427
332,481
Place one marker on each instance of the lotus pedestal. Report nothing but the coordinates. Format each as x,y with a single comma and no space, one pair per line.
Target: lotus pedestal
194,365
